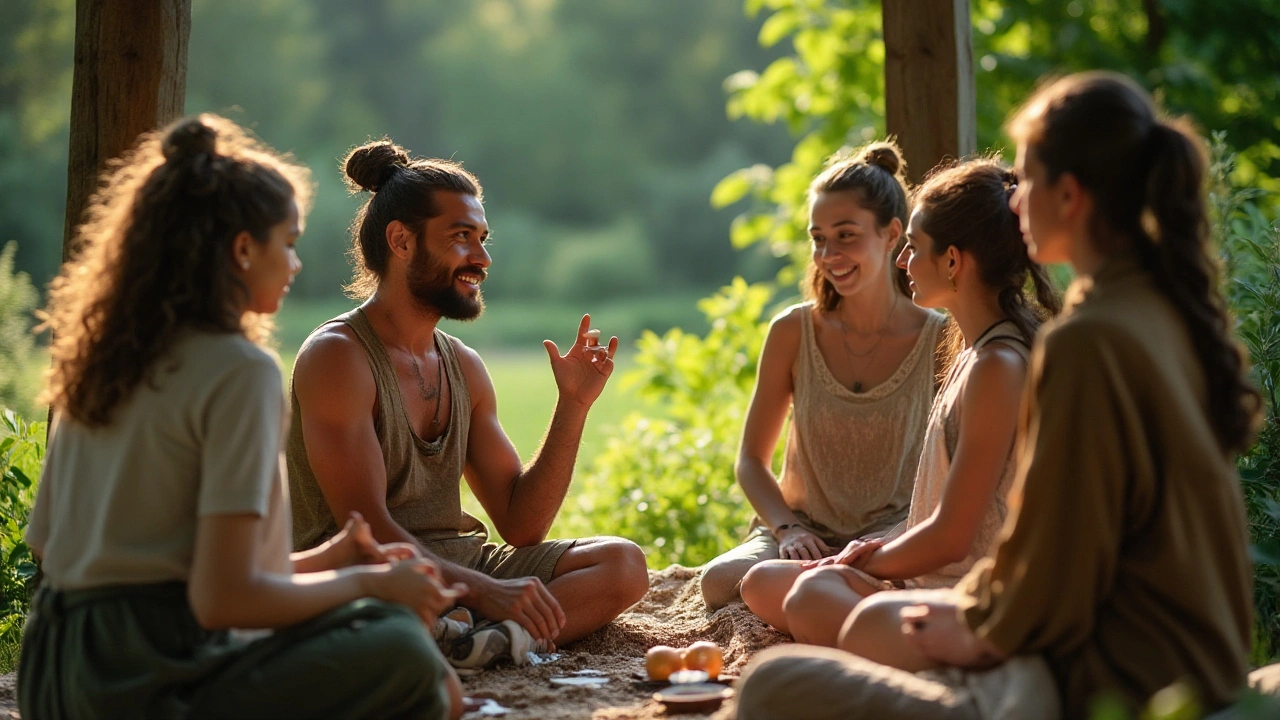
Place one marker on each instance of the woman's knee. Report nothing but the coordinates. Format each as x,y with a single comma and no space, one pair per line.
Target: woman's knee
800,597
873,618
761,582
720,582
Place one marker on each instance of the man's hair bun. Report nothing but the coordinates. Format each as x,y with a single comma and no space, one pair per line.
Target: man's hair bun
369,166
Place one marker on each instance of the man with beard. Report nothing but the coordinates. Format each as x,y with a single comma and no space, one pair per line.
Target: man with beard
389,413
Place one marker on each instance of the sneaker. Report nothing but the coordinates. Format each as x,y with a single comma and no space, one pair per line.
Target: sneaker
452,625
491,644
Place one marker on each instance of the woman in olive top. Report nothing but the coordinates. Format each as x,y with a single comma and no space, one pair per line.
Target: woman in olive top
1125,562
162,518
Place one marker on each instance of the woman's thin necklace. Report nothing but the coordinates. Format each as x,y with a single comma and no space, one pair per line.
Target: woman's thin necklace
844,340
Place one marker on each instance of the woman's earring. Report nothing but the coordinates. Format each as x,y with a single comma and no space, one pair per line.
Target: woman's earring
950,278
245,264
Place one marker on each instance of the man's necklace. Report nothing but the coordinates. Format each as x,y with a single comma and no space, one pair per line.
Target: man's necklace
431,394
844,340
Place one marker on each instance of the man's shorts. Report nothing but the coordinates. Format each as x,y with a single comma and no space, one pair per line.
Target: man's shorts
504,562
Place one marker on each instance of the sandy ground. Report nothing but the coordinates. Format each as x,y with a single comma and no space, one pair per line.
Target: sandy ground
8,697
671,613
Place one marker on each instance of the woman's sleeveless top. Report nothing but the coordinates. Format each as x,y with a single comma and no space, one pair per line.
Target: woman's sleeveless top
851,457
939,448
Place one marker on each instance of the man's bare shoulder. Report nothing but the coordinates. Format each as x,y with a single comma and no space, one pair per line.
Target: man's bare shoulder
472,364
333,357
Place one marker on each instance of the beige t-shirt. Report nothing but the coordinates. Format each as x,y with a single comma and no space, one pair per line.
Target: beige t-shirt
119,504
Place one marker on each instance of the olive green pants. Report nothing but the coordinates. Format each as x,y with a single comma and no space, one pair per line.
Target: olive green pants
138,651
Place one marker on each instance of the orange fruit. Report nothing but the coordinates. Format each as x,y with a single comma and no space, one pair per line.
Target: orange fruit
661,661
706,656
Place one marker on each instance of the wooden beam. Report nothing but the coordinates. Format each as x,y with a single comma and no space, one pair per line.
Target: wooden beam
130,76
928,81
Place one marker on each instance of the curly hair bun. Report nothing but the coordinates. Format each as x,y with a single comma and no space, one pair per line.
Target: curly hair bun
885,155
191,137
369,166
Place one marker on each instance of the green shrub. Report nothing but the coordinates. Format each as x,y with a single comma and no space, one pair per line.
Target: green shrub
17,298
1251,253
668,483
21,455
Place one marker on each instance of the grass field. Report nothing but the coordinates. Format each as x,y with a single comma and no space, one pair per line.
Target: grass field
512,324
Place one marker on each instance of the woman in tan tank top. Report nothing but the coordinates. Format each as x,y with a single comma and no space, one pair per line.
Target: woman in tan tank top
964,252
853,367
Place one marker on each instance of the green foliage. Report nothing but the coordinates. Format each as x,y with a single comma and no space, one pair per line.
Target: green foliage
1179,702
21,456
36,38
1251,248
668,483
1213,61
17,299
830,92
1215,64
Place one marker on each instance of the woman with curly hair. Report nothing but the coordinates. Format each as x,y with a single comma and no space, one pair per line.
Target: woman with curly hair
1125,562
161,519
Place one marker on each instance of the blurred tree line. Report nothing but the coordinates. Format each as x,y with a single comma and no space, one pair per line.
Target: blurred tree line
597,126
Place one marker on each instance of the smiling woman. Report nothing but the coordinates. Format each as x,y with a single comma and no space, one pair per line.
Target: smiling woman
854,368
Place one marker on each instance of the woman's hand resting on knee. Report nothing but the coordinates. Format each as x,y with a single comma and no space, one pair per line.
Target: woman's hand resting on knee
796,543
936,631
854,555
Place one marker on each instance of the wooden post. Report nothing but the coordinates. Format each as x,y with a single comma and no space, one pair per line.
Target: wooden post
130,77
928,81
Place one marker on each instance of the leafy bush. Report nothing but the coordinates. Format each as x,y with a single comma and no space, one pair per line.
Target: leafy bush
21,456
17,298
1251,249
667,483
830,92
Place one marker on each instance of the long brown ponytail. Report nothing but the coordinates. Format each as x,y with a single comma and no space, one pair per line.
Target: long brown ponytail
1147,179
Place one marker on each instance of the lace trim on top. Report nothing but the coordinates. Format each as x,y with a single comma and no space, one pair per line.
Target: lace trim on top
889,386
